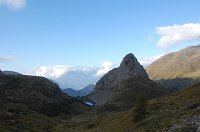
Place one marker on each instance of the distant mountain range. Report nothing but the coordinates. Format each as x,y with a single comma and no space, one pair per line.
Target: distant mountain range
82,92
178,69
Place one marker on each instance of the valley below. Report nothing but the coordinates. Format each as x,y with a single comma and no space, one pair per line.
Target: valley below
178,111
100,66
32,103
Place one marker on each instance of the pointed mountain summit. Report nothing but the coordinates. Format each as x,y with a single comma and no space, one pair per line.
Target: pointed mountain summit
122,85
130,67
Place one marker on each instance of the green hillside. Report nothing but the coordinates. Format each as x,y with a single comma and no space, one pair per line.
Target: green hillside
32,103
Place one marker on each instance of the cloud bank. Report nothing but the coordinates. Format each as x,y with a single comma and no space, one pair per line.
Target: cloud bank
106,66
148,60
6,58
73,77
172,35
13,4
51,72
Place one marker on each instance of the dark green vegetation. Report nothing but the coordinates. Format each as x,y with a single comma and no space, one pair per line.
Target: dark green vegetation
140,111
31,103
177,70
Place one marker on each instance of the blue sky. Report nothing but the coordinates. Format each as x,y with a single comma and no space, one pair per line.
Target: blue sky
37,33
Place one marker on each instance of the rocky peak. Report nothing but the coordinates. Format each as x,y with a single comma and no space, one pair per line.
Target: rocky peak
130,67
129,61
112,82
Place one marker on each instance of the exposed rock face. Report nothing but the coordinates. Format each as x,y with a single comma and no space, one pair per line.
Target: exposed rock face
192,124
130,67
112,85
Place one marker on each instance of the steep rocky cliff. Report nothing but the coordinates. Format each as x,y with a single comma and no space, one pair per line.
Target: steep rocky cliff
124,84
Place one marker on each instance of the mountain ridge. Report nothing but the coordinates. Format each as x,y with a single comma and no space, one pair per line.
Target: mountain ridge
11,73
183,64
35,93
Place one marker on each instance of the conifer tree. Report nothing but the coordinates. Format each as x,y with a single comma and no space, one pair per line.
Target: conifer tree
140,111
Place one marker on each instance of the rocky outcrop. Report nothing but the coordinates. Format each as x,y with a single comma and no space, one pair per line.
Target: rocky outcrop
122,82
130,67
188,124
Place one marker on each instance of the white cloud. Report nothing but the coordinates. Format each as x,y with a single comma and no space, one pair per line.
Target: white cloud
150,38
172,35
51,72
13,4
57,71
73,76
148,60
54,72
105,67
6,58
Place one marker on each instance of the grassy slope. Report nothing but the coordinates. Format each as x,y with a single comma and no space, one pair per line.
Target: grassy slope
163,113
178,64
28,103
25,121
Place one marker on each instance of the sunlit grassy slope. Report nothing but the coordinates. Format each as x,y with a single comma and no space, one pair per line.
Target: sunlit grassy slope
185,62
177,70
